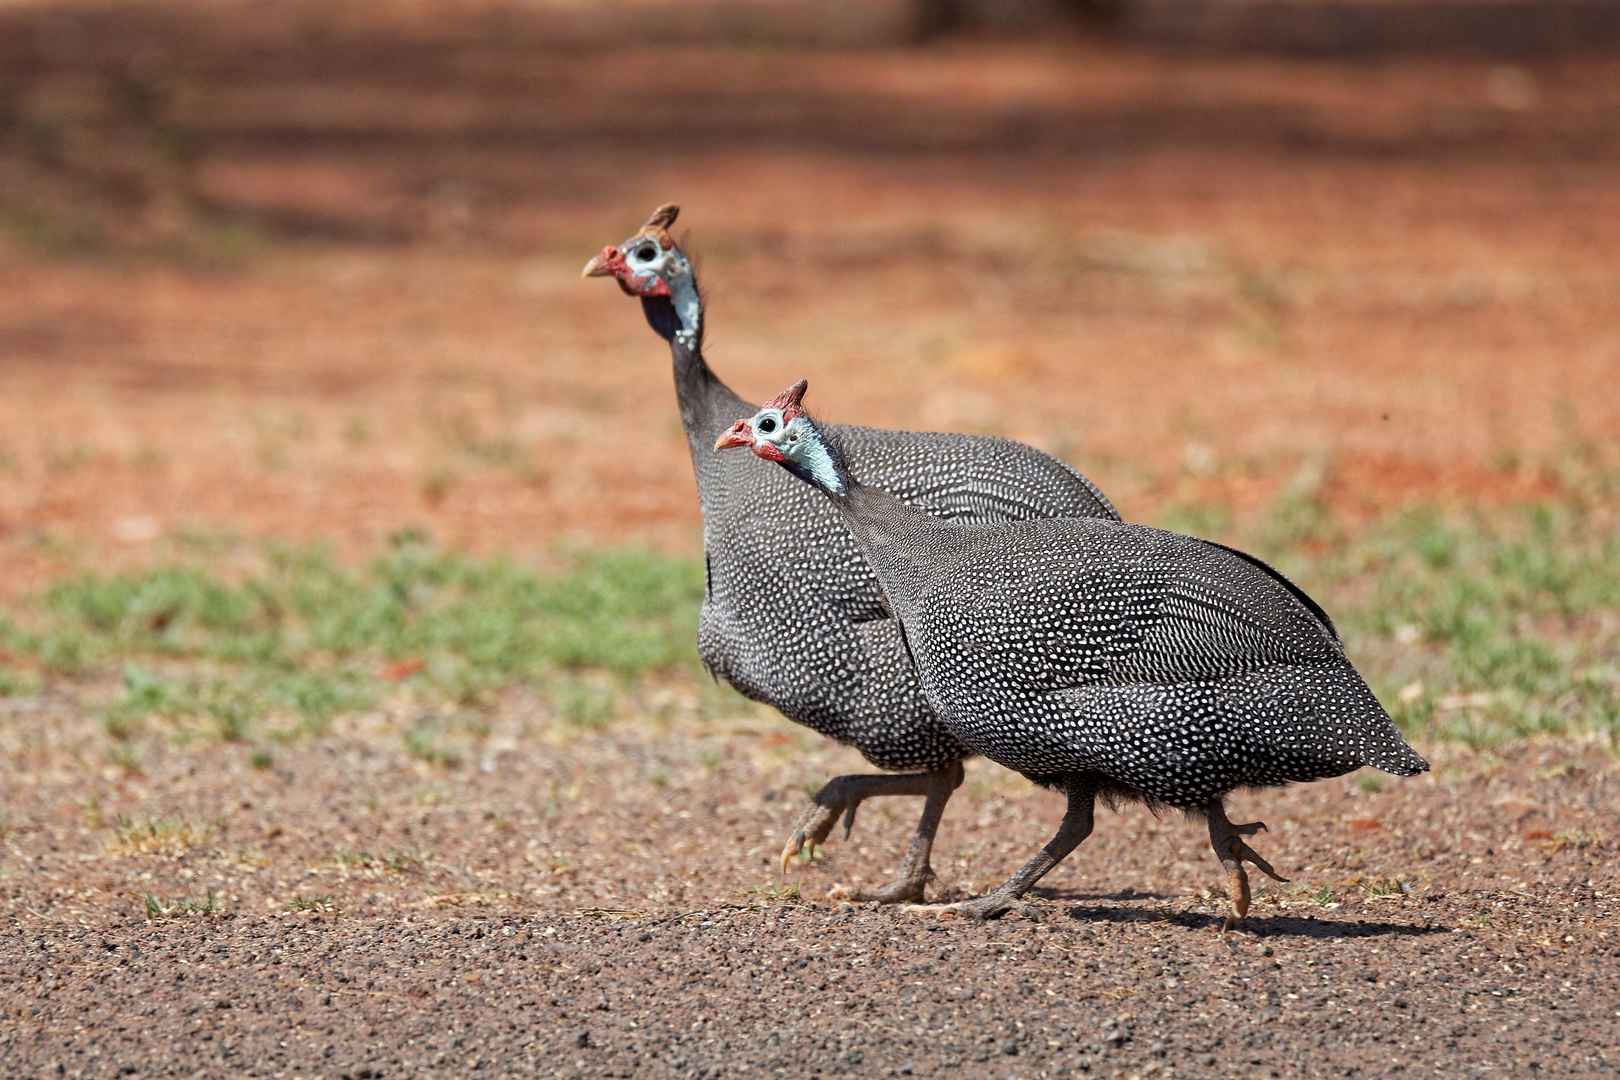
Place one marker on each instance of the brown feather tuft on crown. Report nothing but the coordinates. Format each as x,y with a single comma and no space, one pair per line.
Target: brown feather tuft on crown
657,227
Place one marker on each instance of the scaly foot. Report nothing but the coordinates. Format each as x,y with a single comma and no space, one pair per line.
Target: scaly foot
908,890
1227,841
843,795
989,906
814,826
1077,822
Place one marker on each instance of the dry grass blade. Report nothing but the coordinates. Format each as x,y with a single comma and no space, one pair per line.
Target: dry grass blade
159,836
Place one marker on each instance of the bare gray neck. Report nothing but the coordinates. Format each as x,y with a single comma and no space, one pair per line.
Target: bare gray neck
708,407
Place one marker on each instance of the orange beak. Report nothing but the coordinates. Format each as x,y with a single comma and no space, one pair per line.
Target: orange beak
741,434
602,264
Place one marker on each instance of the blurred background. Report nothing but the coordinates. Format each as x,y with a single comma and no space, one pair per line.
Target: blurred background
291,319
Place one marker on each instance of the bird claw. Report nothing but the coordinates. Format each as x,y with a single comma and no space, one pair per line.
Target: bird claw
841,797
794,846
849,815
837,799
1239,883
812,829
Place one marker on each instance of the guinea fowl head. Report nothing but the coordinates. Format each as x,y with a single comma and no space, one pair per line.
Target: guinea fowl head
649,265
781,432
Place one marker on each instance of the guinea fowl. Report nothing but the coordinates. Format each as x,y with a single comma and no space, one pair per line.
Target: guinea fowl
1102,658
842,669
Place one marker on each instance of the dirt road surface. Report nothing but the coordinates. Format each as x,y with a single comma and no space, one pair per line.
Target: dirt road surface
608,906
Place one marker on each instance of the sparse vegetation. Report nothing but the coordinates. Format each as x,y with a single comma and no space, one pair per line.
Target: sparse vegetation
397,863
436,485
158,908
424,743
1514,616
159,835
1470,625
1573,838
19,682
308,903
786,893
583,705
1384,886
308,639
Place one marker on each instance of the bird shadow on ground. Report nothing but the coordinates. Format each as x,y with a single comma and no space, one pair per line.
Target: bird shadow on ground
1123,896
1258,926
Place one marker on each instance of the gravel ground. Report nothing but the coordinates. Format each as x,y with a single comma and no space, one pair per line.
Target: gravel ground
603,904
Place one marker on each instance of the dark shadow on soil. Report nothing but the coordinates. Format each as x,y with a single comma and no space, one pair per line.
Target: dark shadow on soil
1259,925
1123,896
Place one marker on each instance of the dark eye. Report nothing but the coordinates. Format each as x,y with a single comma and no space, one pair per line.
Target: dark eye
767,425
645,254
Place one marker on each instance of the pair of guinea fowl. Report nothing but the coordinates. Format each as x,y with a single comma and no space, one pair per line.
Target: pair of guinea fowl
924,597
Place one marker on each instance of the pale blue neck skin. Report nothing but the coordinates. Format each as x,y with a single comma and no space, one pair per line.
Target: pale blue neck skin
801,444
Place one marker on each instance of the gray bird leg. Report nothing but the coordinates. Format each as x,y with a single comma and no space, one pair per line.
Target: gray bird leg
843,796
1227,840
1077,824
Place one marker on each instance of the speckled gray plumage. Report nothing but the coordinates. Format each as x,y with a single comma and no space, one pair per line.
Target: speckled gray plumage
773,545
1173,667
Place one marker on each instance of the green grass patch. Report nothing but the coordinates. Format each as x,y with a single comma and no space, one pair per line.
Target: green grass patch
1473,625
155,907
1479,627
308,903
425,742
307,637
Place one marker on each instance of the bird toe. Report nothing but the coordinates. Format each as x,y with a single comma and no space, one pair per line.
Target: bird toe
791,850
984,907
908,890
